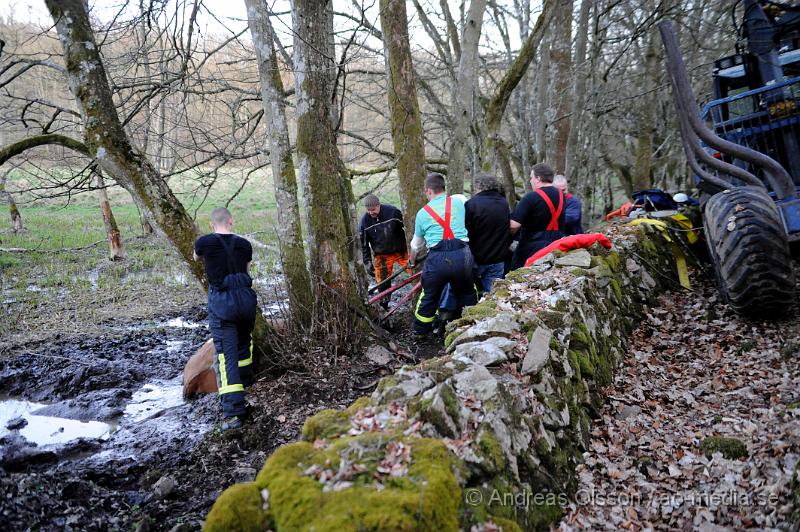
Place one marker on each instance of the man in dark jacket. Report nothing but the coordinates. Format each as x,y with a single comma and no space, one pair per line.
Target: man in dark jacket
231,312
539,216
383,239
487,221
572,207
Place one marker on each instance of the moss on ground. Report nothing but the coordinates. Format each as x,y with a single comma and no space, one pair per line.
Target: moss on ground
731,448
240,507
428,498
358,404
325,424
485,309
491,451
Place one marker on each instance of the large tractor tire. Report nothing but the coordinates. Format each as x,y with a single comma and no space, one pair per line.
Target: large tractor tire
750,252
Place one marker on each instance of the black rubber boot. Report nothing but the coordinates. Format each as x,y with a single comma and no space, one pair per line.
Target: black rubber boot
231,423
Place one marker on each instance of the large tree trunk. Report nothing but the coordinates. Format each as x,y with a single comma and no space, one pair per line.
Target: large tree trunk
579,95
105,138
333,261
293,257
561,85
409,147
16,217
115,248
464,96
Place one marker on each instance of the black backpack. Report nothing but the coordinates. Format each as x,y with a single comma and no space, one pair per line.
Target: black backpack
654,199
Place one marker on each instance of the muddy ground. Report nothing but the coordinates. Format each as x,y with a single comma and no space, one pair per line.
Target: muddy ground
128,452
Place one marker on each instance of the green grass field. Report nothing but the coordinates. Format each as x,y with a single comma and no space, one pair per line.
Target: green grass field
66,280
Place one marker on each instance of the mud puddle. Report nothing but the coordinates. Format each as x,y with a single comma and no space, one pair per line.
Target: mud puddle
154,398
92,388
21,417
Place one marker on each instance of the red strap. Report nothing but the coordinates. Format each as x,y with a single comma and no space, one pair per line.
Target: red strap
448,233
554,214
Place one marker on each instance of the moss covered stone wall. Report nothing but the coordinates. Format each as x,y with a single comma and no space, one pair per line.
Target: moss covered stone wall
485,437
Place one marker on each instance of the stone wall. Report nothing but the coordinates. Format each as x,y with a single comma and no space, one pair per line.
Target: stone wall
485,437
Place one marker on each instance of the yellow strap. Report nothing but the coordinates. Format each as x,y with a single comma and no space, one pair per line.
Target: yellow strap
680,258
658,224
231,388
423,319
686,224
680,262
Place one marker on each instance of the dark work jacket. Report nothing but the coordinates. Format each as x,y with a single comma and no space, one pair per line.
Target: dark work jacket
534,216
487,225
572,215
384,234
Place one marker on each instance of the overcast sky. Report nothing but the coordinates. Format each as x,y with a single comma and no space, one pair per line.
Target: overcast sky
231,14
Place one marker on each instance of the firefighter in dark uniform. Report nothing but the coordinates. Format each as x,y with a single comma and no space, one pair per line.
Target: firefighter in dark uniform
539,216
383,240
231,312
441,226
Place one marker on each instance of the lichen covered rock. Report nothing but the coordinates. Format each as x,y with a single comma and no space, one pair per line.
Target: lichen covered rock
490,433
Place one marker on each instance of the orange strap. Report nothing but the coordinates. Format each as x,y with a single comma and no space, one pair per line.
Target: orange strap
554,214
448,232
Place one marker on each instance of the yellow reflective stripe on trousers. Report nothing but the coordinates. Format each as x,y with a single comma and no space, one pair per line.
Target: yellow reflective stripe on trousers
249,360
421,318
224,387
223,373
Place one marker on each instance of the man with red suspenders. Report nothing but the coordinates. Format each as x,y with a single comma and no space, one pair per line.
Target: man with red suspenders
440,224
539,216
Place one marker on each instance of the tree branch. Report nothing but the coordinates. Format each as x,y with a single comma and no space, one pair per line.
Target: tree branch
16,148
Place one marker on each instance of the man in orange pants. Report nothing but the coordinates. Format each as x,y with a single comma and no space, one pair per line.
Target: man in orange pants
383,236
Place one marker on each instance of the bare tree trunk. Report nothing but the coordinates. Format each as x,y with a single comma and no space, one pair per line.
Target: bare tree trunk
16,217
643,166
333,263
542,101
579,95
464,96
561,93
409,145
115,248
293,257
107,141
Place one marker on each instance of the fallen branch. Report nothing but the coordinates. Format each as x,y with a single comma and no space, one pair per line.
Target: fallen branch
40,250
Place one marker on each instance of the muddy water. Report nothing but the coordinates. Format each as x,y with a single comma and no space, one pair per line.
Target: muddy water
104,419
47,430
104,410
153,399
